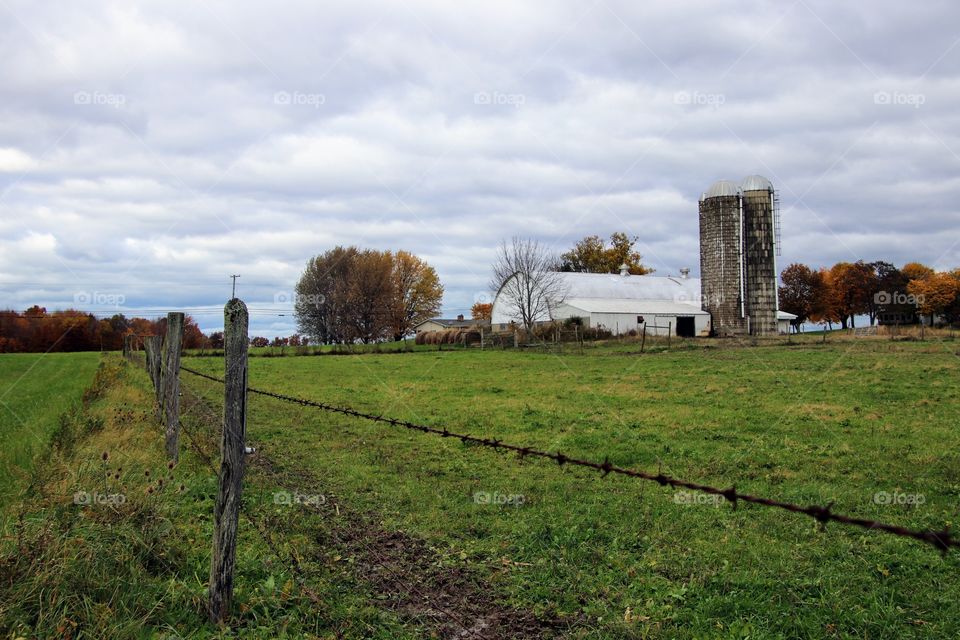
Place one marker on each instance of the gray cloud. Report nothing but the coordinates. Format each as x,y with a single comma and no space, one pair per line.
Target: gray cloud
151,151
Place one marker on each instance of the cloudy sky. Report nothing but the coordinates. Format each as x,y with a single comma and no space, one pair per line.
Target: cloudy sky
148,151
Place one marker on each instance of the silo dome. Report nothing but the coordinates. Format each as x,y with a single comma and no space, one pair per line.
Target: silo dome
722,188
756,183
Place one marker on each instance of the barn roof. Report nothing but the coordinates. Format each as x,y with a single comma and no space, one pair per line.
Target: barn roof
615,286
634,306
615,293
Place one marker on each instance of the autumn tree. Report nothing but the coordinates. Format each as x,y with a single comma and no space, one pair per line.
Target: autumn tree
592,255
936,294
417,293
193,337
369,296
482,311
351,295
916,271
851,287
320,302
803,293
891,287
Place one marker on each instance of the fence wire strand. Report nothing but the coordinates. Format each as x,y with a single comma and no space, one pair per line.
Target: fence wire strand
942,540
293,563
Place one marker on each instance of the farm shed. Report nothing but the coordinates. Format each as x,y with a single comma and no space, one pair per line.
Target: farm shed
784,319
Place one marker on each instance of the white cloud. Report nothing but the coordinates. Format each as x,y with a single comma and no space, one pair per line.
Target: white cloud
14,160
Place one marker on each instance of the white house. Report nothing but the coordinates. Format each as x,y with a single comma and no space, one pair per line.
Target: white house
622,303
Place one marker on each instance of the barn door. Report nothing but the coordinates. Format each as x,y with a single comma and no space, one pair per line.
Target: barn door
686,328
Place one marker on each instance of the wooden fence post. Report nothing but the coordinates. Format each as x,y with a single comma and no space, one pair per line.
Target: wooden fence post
232,449
153,346
669,332
171,383
126,346
643,339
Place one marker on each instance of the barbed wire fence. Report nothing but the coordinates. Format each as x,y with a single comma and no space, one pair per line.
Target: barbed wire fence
168,386
291,561
942,540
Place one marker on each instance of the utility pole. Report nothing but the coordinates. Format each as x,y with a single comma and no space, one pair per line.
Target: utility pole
233,294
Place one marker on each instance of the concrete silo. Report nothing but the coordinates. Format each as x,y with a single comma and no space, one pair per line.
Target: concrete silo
760,262
721,258
738,247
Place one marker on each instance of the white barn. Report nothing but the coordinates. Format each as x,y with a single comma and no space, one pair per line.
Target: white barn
623,303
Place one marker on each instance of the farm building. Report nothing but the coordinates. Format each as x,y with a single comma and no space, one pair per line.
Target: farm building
441,324
623,303
736,295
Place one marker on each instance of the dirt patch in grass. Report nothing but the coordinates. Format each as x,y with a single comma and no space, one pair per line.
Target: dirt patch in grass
408,577
402,572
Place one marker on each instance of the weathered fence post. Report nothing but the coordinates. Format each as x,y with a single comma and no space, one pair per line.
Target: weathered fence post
171,383
126,346
153,346
232,449
669,332
643,339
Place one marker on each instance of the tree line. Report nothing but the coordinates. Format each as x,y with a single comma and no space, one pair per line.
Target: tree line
837,294
345,295
348,295
36,330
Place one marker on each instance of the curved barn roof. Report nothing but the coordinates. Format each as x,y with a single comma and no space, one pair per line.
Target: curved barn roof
604,285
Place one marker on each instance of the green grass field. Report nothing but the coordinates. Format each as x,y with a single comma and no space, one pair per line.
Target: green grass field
34,390
812,424
409,520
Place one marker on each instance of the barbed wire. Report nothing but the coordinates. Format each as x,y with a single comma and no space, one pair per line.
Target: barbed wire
941,540
293,563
